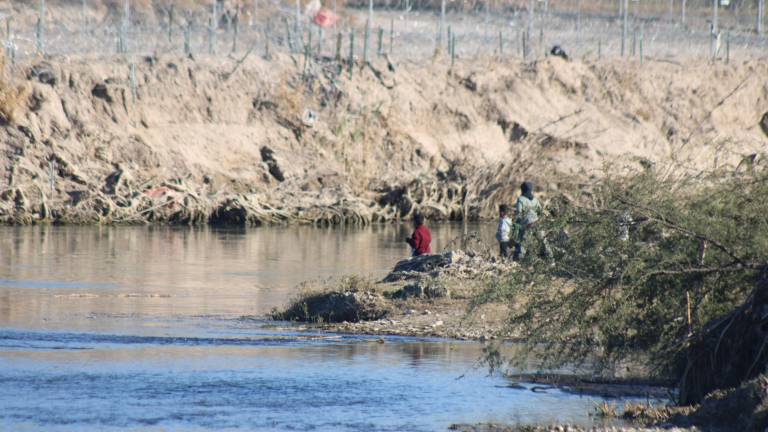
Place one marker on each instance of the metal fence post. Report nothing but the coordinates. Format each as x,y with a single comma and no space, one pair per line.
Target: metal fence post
235,33
170,24
366,36
625,27
453,49
132,78
714,29
351,51
288,36
267,35
441,28
187,36
214,25
40,30
599,49
210,36
8,40
85,16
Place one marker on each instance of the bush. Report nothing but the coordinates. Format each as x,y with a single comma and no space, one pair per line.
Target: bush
352,299
642,264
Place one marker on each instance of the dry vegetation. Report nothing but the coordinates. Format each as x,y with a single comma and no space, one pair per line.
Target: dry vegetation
670,267
188,141
13,94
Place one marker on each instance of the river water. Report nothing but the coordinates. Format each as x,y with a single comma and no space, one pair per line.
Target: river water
145,328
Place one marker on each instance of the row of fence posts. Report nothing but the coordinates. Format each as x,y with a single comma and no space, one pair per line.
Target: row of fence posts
233,26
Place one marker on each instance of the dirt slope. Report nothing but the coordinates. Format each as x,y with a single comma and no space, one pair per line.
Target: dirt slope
278,141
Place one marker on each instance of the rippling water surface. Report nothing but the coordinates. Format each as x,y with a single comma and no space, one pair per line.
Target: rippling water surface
136,328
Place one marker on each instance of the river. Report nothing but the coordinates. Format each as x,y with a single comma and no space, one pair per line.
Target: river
152,328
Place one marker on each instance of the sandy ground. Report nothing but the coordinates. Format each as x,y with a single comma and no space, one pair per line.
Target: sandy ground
443,318
196,140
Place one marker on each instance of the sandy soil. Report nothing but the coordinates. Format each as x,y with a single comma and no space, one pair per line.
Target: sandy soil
212,140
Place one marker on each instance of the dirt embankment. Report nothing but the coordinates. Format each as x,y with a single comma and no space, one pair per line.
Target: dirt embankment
197,140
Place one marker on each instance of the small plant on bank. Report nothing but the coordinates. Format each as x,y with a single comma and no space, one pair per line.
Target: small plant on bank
645,413
604,410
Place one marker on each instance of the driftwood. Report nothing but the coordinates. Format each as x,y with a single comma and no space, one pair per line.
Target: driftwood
124,199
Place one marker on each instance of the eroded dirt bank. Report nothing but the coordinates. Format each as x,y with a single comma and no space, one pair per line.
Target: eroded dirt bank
192,140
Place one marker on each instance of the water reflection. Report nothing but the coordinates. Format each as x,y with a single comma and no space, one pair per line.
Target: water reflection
52,275
137,328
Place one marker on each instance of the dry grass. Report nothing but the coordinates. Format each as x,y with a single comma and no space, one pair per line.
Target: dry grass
13,94
646,413
604,410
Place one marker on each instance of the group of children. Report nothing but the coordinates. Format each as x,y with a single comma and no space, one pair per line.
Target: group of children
509,232
527,211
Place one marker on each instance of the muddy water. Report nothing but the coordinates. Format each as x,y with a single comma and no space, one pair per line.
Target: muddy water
136,328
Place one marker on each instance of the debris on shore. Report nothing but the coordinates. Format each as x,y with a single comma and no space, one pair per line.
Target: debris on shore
423,296
496,427
354,300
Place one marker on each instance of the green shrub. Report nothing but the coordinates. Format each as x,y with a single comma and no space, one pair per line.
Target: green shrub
641,264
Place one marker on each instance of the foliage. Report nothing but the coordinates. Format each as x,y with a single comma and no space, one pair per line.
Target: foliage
640,264
604,410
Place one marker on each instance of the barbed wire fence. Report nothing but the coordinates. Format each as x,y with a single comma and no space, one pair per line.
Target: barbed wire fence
404,30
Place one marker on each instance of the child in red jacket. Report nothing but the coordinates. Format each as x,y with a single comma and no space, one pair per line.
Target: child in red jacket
420,239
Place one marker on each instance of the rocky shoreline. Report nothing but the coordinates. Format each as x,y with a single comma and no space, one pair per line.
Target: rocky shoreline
494,427
431,296
427,296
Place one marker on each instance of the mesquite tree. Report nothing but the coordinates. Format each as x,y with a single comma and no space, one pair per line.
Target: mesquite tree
649,265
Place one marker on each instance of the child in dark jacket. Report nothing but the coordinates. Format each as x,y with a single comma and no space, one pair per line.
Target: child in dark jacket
421,238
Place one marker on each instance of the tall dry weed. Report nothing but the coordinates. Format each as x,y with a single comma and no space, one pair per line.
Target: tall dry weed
13,94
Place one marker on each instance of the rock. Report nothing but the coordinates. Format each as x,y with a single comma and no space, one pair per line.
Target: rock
233,212
434,291
101,91
409,268
414,290
558,51
44,73
764,124
268,157
419,290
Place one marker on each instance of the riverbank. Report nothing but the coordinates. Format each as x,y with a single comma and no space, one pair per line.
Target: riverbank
743,409
250,141
493,427
432,296
428,296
